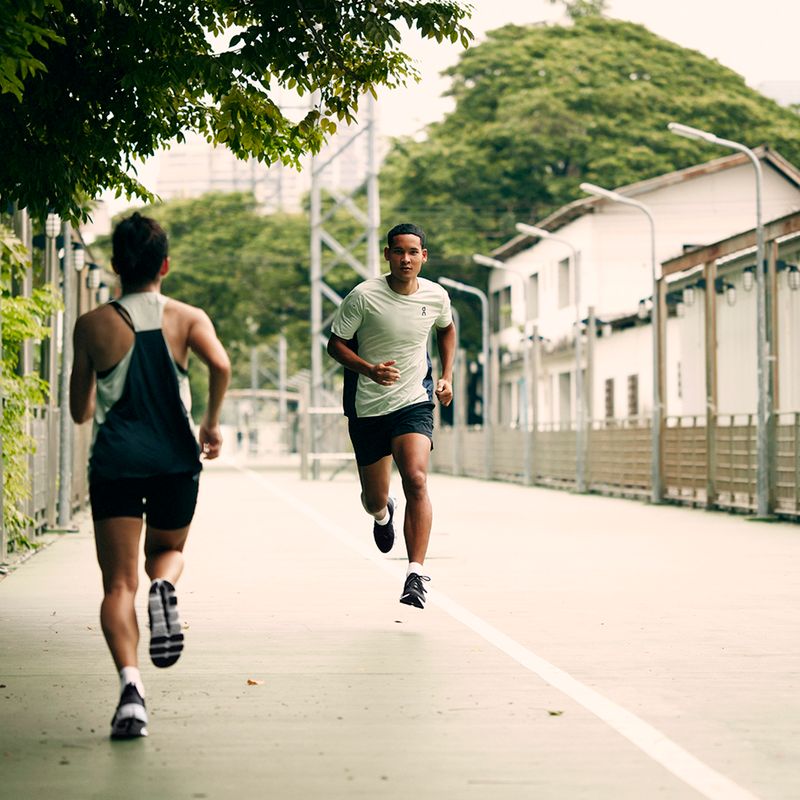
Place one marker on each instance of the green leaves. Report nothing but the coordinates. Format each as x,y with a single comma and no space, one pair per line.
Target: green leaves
541,108
100,82
22,318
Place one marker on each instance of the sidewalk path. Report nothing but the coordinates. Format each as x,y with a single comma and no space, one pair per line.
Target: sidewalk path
573,647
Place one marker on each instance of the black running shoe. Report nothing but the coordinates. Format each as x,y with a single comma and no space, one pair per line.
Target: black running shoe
384,534
414,591
130,718
166,636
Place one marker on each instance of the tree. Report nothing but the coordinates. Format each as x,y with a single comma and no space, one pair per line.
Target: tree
541,108
248,271
88,86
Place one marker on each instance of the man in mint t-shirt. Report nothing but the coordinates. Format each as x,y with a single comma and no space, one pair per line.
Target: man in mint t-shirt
380,334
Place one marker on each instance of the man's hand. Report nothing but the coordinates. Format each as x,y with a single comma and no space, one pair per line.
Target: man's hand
384,373
444,391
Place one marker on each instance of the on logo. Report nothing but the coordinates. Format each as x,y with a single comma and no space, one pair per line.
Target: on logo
424,311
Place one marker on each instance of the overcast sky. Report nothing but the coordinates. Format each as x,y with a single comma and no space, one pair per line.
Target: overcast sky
759,40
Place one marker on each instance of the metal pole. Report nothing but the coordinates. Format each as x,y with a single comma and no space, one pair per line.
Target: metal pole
50,370
315,389
65,422
373,198
525,414
580,416
656,470
763,340
763,355
580,400
282,379
656,478
488,400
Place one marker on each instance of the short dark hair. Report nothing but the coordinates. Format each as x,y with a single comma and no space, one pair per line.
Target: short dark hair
139,247
406,227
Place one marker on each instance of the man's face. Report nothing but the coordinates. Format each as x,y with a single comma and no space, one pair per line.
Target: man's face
406,256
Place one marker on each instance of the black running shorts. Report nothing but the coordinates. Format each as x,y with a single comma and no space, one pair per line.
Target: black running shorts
167,500
372,436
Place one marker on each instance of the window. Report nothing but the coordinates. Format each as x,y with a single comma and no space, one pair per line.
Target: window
563,283
501,309
533,296
609,398
633,395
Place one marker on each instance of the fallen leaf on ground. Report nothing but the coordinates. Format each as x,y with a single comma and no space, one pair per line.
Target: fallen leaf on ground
254,682
555,713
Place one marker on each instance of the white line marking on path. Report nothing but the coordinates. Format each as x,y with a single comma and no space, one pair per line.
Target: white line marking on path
649,740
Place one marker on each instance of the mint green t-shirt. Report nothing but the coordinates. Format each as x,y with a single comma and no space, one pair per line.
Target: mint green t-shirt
392,327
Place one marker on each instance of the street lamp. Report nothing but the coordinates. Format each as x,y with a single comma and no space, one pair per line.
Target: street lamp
93,277
52,225
78,257
763,356
580,400
656,433
487,399
493,263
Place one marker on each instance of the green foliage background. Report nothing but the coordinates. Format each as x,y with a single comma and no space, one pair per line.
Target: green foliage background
22,318
87,86
540,108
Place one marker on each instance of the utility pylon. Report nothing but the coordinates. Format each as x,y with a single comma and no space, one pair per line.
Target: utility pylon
327,252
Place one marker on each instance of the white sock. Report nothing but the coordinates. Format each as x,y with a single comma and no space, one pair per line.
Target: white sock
131,675
385,520
414,567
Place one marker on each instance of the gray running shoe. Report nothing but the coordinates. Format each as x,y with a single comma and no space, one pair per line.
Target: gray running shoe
166,636
414,591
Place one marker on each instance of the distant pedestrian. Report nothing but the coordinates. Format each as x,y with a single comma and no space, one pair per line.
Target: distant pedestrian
380,334
130,374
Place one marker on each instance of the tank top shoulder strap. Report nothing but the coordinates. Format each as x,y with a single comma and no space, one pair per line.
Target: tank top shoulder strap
123,312
145,309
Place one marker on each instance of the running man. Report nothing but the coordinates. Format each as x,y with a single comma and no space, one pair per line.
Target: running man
129,373
380,334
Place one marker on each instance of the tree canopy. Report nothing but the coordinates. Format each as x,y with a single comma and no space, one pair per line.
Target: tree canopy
541,108
88,86
248,271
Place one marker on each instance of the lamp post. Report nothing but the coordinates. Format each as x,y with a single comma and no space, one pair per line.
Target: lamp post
493,263
65,422
656,469
487,391
763,355
580,394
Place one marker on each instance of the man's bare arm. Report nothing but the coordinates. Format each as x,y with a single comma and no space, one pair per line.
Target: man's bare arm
446,343
203,341
384,373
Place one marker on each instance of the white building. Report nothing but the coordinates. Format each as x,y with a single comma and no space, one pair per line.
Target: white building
691,208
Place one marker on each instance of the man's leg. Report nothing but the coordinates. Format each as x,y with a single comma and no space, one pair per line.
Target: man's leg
412,453
375,486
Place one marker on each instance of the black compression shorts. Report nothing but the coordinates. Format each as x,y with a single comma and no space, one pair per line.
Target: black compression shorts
168,501
372,436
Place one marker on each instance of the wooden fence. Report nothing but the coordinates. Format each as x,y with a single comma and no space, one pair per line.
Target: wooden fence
618,459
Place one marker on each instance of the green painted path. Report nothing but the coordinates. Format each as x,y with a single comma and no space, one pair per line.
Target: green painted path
573,647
